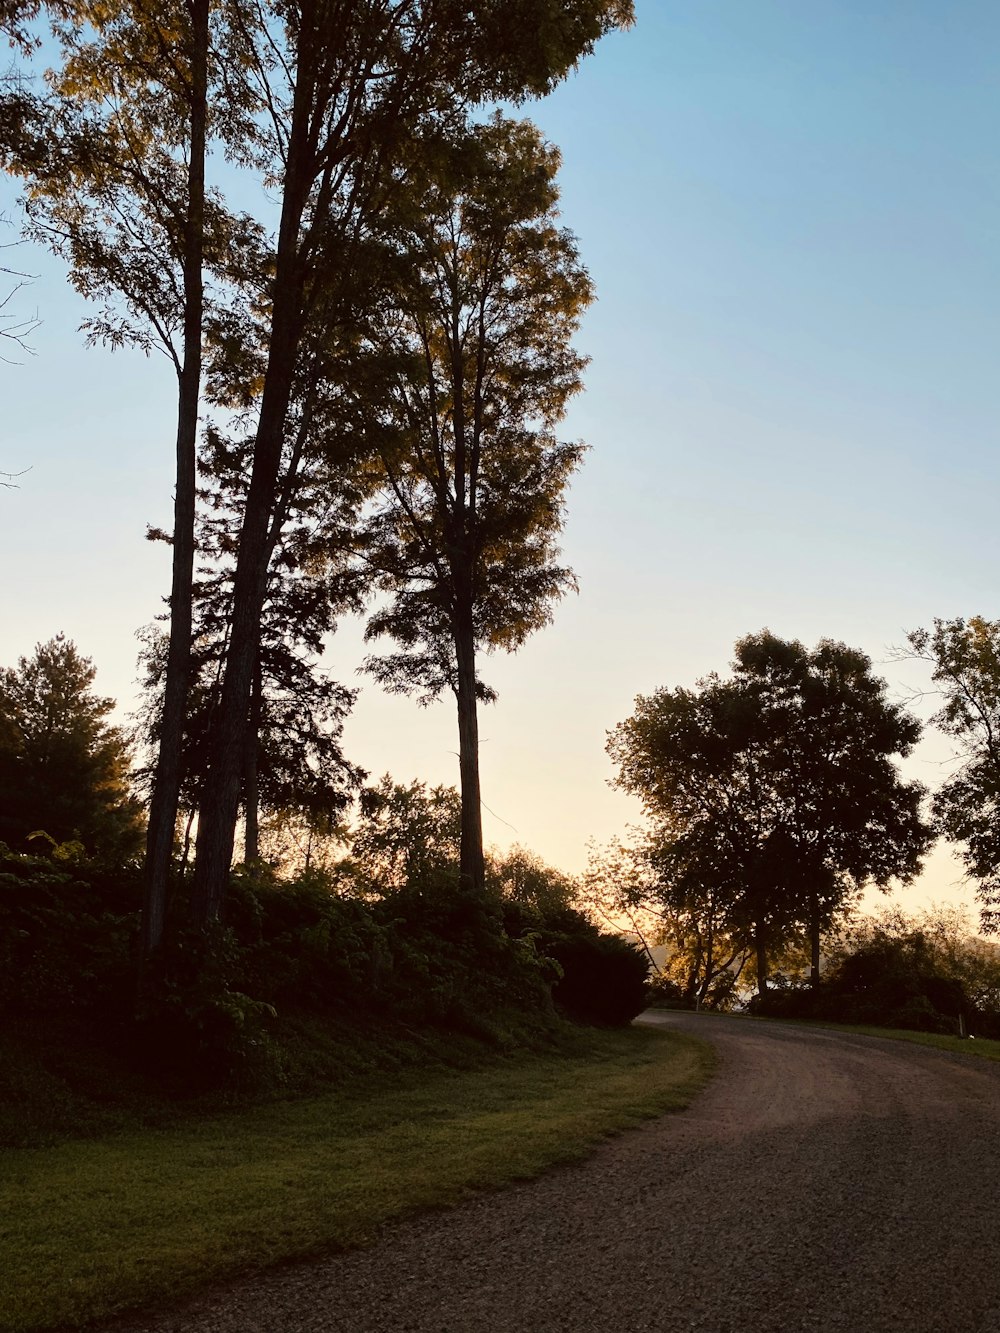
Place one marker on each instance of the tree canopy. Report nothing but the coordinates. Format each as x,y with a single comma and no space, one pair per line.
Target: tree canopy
478,336
64,771
965,660
774,793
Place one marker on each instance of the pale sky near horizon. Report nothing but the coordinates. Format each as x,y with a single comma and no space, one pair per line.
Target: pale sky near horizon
790,213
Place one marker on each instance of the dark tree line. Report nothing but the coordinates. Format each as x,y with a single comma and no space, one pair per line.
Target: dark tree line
398,344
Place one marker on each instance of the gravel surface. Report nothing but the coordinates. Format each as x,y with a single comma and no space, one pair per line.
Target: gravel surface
821,1182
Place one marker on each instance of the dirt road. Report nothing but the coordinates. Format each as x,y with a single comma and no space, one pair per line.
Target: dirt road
821,1182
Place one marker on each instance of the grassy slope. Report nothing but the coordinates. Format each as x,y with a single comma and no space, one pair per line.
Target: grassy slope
99,1225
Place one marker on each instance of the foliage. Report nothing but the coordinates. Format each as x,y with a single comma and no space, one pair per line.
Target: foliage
603,977
404,833
64,771
294,763
697,961
66,935
336,104
773,794
477,339
596,976
965,660
520,876
923,972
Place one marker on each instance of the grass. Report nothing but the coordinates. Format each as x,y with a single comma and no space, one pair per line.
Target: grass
981,1047
93,1227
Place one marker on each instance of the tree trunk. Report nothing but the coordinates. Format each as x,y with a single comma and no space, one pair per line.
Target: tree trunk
166,781
221,797
251,787
472,866
220,800
761,951
186,845
814,938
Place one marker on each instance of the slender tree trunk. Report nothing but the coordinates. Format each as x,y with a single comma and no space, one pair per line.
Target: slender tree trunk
251,787
814,938
472,866
166,781
761,951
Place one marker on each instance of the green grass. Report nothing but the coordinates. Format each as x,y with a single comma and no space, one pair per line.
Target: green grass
981,1047
96,1226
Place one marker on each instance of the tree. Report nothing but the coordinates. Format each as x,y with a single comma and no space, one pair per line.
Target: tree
464,537
684,929
520,876
113,155
852,820
64,771
965,661
943,938
339,93
405,835
775,792
293,762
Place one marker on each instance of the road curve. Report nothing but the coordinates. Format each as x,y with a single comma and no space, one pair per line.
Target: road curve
821,1182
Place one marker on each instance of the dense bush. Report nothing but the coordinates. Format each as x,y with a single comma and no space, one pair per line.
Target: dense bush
66,934
600,978
428,953
885,981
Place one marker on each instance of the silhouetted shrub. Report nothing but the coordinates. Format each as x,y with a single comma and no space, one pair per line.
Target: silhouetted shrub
66,935
889,981
602,978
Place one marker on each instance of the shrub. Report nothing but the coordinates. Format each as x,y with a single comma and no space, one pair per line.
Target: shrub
66,935
603,981
602,978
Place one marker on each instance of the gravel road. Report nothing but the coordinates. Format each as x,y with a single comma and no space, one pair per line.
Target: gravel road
821,1182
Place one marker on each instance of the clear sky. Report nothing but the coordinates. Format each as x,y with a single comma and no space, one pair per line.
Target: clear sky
791,215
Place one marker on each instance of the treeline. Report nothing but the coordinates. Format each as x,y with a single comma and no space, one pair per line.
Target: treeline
773,799
369,923
358,273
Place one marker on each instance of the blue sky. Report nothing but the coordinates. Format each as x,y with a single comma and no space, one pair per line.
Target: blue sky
790,211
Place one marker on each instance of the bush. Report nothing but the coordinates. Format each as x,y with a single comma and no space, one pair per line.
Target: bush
603,981
436,954
601,978
887,981
452,958
67,935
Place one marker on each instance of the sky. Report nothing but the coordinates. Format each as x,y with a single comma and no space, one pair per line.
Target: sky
790,212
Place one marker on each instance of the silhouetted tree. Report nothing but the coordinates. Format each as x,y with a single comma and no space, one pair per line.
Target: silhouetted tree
405,834
113,156
293,761
464,536
776,790
337,93
64,771
965,660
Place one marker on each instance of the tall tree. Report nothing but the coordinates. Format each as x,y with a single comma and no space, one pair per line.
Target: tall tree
851,819
113,155
337,91
464,538
776,789
64,771
964,656
293,762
